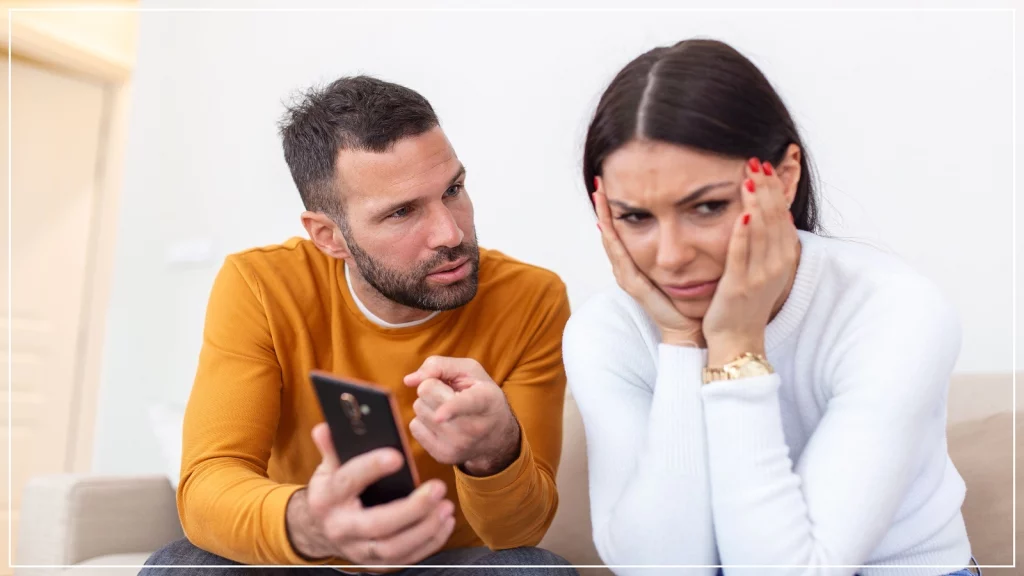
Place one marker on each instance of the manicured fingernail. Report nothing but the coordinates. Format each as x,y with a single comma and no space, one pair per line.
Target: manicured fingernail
749,185
768,169
746,219
755,164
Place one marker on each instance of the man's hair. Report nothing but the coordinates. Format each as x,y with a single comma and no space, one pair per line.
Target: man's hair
351,113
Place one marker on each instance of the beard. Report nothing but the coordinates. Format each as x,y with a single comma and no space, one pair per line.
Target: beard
411,288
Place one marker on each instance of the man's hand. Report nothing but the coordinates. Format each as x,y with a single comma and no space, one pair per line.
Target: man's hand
327,519
462,416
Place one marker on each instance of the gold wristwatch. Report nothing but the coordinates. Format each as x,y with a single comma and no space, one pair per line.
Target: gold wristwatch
748,365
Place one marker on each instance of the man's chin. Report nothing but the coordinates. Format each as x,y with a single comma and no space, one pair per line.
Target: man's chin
454,295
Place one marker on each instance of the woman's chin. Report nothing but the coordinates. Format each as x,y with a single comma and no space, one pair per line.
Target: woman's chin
692,309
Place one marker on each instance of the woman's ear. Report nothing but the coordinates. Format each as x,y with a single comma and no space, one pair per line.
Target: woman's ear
325,234
789,172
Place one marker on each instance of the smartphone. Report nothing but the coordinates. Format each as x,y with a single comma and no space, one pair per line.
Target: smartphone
364,417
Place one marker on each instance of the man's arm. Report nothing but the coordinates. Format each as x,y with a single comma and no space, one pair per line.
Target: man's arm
227,504
515,506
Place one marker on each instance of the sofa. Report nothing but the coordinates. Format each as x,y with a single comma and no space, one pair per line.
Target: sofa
105,520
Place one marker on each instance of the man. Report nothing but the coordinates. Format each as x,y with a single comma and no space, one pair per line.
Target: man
390,288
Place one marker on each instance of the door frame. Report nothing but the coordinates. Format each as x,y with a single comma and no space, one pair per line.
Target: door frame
26,36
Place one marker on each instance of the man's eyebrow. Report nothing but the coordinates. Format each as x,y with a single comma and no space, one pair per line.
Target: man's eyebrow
396,205
459,174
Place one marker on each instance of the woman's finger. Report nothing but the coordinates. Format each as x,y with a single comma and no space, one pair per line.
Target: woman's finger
622,262
760,219
756,247
778,225
736,259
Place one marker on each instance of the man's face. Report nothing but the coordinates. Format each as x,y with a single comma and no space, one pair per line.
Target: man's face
409,222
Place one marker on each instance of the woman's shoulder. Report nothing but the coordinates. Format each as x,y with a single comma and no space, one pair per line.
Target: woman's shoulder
861,268
866,283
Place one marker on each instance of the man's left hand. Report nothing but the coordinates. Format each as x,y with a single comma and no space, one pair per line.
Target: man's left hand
462,416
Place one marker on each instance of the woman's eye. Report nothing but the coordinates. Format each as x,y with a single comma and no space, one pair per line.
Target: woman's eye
710,208
453,191
633,217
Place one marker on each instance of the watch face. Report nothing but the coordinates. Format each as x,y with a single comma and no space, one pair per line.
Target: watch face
753,368
748,367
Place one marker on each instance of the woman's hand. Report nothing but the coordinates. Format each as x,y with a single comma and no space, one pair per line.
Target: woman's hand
762,257
675,328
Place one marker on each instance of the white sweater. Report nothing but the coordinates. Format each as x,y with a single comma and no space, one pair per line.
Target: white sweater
838,459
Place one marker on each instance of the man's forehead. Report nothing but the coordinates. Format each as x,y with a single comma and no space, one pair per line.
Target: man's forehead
412,162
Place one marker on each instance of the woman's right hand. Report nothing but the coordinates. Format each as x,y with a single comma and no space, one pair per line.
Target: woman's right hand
675,328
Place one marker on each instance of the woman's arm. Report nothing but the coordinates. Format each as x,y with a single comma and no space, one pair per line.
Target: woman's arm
649,495
889,371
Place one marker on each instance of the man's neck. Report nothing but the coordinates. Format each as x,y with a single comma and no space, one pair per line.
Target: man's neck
380,306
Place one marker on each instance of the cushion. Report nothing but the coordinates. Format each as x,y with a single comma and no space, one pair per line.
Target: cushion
982,451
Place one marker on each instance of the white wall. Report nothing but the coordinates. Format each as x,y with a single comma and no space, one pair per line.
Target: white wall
907,116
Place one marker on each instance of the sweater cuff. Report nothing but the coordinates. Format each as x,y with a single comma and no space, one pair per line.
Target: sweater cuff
683,362
502,480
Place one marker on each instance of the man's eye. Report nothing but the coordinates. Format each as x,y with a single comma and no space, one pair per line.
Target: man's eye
400,213
453,191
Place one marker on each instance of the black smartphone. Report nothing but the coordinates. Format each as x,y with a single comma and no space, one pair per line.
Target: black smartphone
363,417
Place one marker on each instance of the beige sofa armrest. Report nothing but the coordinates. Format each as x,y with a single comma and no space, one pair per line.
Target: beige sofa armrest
67,518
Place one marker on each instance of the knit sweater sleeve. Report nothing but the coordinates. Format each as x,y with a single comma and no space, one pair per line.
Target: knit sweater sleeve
884,373
649,493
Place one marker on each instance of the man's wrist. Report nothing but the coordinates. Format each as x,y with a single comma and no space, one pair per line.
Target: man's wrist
301,529
503,457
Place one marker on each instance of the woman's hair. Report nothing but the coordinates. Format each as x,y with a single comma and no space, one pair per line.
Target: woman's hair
701,94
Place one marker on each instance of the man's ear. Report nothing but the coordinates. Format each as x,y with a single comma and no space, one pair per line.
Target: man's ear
324,232
789,172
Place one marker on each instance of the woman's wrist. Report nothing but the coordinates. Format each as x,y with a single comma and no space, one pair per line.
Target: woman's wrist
686,339
725,349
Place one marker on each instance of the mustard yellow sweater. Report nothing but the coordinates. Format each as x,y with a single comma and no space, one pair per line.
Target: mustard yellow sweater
278,312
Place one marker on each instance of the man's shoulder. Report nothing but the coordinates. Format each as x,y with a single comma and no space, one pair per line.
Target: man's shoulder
507,277
272,259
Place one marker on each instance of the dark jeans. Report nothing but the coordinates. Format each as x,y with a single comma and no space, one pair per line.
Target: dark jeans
184,553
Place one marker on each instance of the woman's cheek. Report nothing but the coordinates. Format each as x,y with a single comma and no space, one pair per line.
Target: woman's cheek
642,246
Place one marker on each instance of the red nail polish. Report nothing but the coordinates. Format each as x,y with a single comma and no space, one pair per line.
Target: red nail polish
754,164
596,186
749,185
746,219
768,169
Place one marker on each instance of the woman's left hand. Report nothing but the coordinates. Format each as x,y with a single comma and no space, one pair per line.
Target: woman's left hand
762,256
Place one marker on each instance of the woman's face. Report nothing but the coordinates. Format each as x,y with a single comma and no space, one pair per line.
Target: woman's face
674,209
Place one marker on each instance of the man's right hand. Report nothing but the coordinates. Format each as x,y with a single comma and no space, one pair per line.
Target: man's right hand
327,519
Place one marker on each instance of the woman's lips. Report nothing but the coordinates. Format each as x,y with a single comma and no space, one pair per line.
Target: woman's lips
690,291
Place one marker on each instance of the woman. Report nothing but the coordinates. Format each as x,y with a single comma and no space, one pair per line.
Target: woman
754,394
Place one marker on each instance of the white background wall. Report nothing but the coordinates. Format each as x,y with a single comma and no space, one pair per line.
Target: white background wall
907,116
